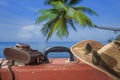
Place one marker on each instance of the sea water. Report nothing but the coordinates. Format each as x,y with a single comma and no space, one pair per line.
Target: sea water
39,46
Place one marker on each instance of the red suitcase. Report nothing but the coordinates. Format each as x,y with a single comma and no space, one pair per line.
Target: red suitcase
55,69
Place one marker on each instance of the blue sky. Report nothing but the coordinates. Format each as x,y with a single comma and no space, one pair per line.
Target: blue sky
17,21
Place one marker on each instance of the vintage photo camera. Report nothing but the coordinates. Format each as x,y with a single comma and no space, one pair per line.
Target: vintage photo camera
23,53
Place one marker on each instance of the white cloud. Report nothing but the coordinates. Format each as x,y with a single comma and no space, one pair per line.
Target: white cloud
30,32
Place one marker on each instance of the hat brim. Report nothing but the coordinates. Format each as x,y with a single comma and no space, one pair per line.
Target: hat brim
78,52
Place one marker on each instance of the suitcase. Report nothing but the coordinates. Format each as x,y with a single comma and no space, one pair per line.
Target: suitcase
54,69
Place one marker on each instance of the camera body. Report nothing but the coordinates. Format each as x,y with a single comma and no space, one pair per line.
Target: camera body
23,53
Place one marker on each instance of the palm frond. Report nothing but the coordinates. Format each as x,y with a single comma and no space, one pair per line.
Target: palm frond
59,5
50,1
54,27
47,11
72,24
47,26
59,26
79,17
83,19
73,2
85,9
62,31
46,15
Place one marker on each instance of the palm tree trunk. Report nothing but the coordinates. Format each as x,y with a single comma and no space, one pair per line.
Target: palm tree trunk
107,28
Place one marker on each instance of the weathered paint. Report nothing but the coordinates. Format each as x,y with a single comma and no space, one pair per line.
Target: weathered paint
58,69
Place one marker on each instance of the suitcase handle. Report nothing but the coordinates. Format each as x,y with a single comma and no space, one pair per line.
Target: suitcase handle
58,49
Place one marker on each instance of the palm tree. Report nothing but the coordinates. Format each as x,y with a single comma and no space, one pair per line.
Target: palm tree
62,15
107,28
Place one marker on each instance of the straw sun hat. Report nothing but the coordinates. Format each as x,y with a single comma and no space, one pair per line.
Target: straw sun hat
104,58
